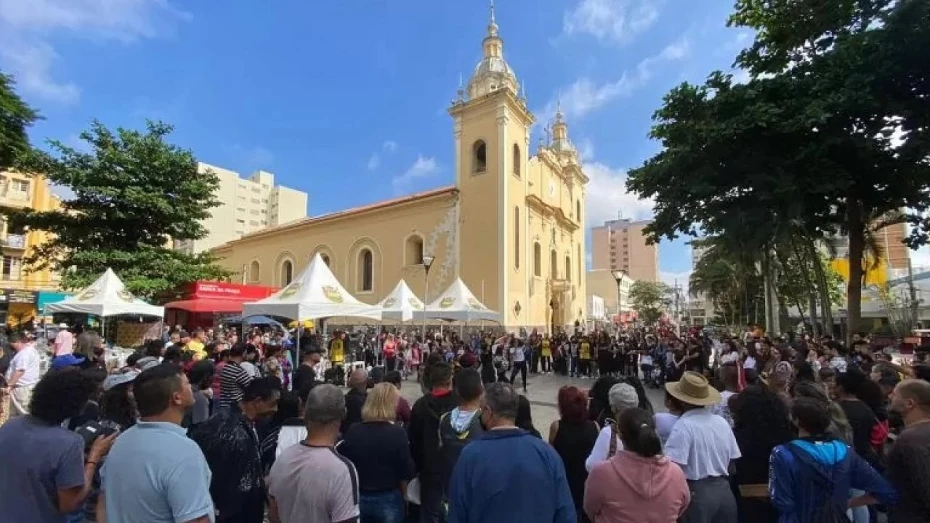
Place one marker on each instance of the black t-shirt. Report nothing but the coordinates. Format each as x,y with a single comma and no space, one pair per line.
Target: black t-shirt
304,380
862,420
380,454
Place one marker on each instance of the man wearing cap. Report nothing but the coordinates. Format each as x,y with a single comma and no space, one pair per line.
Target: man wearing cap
703,445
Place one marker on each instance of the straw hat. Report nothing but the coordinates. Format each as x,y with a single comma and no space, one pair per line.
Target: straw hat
693,389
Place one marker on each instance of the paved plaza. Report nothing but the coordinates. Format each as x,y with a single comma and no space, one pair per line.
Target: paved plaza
542,391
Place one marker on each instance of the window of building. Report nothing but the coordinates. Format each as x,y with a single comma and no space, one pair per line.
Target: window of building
578,210
256,200
12,266
365,270
537,259
287,273
479,157
325,259
516,237
20,185
413,250
240,222
240,198
568,268
254,212
579,258
254,271
253,223
553,266
516,159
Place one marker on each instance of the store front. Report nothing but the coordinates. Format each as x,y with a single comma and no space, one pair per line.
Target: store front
17,307
206,301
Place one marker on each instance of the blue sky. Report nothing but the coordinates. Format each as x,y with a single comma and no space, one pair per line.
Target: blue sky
346,100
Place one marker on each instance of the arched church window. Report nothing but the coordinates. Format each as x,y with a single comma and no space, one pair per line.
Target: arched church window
287,273
325,260
254,271
516,237
516,159
568,268
537,259
365,270
480,157
413,250
578,211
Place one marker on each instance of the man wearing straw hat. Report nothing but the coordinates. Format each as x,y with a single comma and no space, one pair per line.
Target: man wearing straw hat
703,444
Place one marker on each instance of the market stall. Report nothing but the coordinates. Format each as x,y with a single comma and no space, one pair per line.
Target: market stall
400,304
457,303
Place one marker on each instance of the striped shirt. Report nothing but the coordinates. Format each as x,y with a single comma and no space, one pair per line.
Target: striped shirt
233,380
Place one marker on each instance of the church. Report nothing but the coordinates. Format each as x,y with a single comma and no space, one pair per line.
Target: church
512,226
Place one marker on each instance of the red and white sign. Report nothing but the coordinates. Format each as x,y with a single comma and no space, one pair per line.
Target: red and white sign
234,291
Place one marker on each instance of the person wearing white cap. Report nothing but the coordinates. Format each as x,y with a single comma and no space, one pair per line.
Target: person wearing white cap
703,445
621,396
64,341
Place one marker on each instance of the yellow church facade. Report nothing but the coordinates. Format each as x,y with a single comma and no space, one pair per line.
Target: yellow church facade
512,226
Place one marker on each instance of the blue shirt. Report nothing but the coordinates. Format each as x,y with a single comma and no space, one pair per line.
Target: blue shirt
36,461
508,475
154,474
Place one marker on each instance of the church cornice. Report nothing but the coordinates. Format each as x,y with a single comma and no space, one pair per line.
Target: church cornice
551,211
515,105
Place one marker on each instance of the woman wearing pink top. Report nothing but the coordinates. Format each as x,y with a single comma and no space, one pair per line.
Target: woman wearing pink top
638,484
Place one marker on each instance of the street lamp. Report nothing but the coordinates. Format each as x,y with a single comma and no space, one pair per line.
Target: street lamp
427,263
618,275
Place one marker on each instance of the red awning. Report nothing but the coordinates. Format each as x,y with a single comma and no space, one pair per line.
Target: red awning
208,305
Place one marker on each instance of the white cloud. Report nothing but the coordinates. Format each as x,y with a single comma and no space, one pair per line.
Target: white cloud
585,149
614,21
421,168
585,95
676,278
607,196
374,161
27,25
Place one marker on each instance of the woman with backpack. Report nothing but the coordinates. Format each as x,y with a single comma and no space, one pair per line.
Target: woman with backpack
811,476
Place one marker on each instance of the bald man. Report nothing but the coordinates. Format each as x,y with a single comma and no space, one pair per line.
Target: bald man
355,398
909,459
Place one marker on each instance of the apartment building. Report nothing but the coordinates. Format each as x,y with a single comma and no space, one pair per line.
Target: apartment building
247,205
698,308
22,291
621,245
897,255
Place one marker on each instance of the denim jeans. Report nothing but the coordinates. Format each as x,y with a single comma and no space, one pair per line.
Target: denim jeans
382,507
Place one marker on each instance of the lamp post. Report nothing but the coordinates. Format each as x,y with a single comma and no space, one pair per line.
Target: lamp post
618,276
427,263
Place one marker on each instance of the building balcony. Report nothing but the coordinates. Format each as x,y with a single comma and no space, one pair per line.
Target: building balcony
15,241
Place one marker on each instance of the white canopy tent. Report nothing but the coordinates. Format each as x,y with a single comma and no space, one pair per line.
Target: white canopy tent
400,304
457,303
105,297
315,293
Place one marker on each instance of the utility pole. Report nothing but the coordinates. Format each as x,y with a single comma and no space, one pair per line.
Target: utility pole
915,306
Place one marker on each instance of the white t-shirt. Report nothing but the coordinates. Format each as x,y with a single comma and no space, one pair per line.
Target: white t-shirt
601,447
750,363
518,353
26,360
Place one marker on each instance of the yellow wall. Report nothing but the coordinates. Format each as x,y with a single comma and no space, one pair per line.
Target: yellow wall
40,198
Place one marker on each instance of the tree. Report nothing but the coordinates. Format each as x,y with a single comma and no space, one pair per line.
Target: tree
832,129
15,117
134,193
650,299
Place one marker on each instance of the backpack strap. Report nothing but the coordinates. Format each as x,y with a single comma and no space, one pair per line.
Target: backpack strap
442,420
822,479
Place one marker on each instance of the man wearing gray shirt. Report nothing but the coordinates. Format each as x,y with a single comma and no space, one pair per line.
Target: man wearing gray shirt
154,473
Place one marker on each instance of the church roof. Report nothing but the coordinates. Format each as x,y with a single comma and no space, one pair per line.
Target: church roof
371,207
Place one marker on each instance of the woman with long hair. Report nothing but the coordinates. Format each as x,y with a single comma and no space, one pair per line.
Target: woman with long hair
573,438
760,423
382,458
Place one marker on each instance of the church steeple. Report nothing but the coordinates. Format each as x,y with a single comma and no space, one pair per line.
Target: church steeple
492,72
560,141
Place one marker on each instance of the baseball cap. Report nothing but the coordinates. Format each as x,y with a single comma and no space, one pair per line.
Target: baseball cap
66,360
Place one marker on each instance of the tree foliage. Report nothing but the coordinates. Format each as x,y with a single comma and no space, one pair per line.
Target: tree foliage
650,299
15,117
833,129
133,194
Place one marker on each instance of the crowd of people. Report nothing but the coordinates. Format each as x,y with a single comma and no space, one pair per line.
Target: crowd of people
207,426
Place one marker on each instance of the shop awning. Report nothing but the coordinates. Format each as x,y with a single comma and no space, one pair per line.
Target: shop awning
208,305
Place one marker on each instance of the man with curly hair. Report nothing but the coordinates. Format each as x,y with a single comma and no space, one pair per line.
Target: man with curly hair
60,477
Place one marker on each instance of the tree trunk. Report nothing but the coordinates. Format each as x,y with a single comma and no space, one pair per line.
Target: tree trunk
809,278
856,231
812,310
826,306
